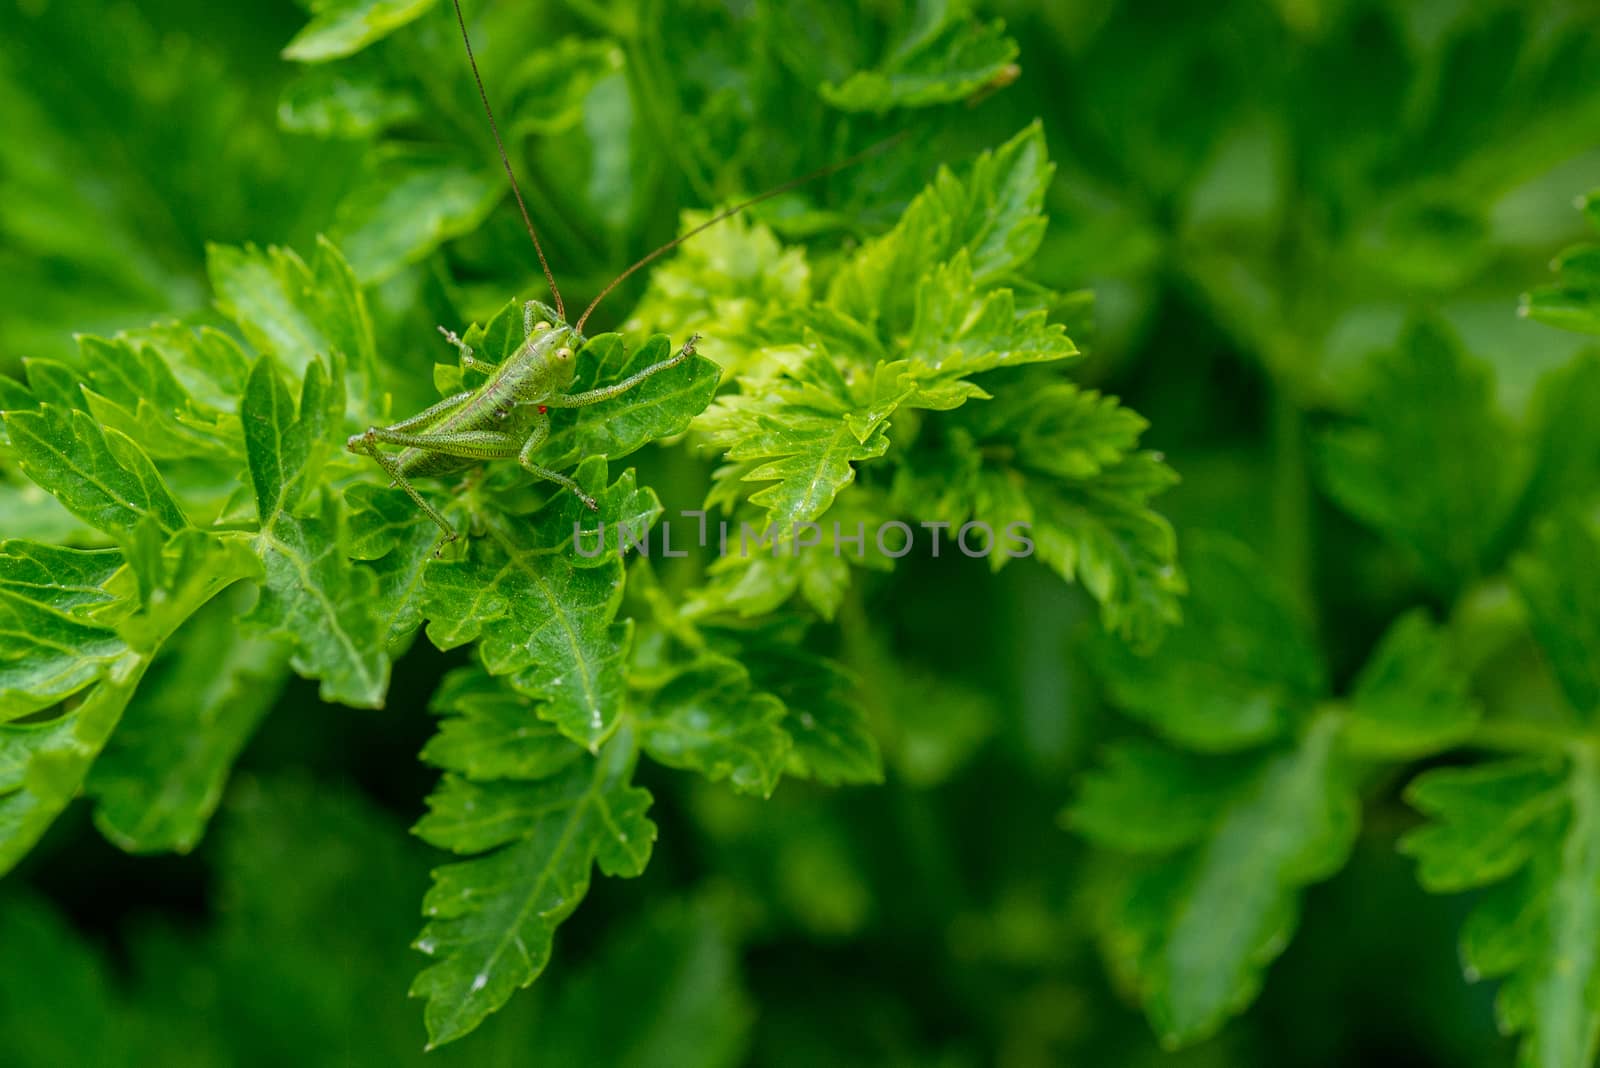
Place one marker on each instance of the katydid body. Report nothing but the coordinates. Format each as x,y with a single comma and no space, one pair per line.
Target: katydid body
507,417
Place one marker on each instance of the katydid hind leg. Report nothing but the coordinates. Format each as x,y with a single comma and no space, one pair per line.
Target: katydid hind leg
423,419
466,444
387,462
366,444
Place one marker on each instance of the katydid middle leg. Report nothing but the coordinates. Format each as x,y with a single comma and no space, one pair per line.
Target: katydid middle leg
537,435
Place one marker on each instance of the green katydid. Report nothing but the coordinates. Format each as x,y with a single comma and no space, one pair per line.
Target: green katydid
504,418
507,416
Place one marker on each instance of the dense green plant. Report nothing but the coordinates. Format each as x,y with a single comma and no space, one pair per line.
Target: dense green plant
1305,226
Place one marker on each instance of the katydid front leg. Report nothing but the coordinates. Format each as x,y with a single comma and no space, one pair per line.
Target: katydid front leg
469,362
531,324
616,389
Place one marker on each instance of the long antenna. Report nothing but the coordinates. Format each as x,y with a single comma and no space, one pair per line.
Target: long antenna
822,172
561,311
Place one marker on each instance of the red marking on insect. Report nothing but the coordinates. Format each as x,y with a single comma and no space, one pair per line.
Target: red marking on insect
543,409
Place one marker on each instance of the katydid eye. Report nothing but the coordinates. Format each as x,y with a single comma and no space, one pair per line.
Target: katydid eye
563,354
540,325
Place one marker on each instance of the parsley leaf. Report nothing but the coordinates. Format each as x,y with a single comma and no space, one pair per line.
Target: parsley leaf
1529,830
100,475
545,614
1193,932
1560,581
299,312
1573,302
710,718
1240,671
408,202
745,700
93,630
491,918
312,591
340,27
1253,795
1399,468
941,54
919,320
1411,698
162,773
53,647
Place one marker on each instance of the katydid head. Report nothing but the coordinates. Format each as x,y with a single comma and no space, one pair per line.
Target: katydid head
548,338
549,358
563,359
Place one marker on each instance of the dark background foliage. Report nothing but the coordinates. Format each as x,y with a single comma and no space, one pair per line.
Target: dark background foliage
1259,196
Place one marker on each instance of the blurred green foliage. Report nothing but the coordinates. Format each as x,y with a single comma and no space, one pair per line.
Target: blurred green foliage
1306,226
